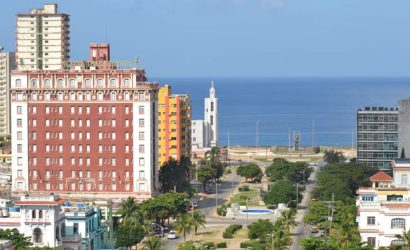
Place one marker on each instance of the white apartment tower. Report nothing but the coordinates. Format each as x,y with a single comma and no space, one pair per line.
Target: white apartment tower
7,63
43,39
211,117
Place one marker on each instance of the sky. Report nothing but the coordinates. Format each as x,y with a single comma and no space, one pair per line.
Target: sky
239,38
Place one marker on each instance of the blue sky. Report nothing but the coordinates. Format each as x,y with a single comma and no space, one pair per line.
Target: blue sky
239,38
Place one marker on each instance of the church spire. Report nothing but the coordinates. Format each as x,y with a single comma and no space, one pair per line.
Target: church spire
212,90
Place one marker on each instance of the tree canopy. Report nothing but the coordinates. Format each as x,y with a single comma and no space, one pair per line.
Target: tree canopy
175,174
251,172
281,192
281,169
332,156
210,168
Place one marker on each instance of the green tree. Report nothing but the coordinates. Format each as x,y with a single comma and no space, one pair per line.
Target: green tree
183,224
292,171
175,174
19,240
281,192
153,243
250,171
281,240
260,229
346,231
198,219
332,156
128,210
288,219
129,235
405,237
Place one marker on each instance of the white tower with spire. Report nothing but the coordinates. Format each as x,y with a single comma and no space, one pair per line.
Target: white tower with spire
211,118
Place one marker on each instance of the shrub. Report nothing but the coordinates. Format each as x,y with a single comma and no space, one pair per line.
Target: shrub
221,245
208,245
229,231
254,245
221,211
244,188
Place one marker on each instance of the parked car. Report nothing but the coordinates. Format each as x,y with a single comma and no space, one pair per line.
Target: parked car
172,234
314,229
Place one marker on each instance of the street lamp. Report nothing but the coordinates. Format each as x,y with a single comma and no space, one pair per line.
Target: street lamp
272,235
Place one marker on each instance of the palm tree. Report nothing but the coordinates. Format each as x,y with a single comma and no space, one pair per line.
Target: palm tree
346,231
288,219
198,219
183,224
405,237
153,243
281,240
128,209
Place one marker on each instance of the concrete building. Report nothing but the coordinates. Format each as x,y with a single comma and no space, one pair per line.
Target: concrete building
174,125
377,136
43,39
85,131
7,63
383,210
211,117
198,129
404,128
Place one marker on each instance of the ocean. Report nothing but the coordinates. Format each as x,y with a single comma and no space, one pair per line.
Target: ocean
280,104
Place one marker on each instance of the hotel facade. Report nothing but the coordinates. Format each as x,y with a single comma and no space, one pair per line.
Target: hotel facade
85,131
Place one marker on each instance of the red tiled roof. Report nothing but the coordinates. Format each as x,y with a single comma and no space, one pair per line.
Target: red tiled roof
396,205
381,176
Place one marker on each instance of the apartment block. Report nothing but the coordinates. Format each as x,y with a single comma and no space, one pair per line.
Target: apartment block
7,63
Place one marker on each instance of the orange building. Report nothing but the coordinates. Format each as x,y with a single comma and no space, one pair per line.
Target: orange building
174,125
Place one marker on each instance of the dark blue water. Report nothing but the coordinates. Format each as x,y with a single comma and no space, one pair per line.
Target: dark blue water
283,103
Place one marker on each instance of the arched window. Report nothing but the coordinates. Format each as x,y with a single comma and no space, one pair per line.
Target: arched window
47,83
60,83
127,96
100,82
87,83
34,97
33,214
88,96
47,96
80,96
18,82
60,96
399,223
34,83
113,96
40,214
100,96
403,180
37,236
113,82
126,82
72,83
72,96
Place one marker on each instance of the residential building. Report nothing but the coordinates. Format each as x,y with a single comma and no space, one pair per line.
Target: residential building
43,39
198,129
86,131
404,128
377,136
383,210
211,117
7,63
174,125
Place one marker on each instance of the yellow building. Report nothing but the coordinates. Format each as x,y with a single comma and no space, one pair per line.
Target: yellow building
174,125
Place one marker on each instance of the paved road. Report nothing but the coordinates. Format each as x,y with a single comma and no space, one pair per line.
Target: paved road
208,204
300,231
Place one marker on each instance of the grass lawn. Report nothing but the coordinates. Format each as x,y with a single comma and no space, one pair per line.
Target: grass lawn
241,234
252,195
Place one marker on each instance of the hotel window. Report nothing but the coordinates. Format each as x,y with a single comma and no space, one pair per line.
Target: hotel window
127,123
47,83
100,135
127,96
127,162
60,148
47,135
72,110
100,161
141,149
127,110
142,174
61,186
72,173
113,110
99,110
34,122
80,123
80,148
88,135
34,173
127,174
212,120
20,110
73,188
113,96
100,148
100,83
48,173
88,186
34,135
19,123
126,82
398,223
113,161
60,83
371,220
141,110
47,148
72,83
113,82
47,161
47,122
141,136
47,188
113,135
80,110
88,109
72,136
114,174
127,136
100,96
80,161
88,161
80,97
87,83
19,148
100,174
72,123
72,161
100,186
141,122
80,136
34,110
127,148
34,148
141,96
18,83
60,161
141,161
127,186
80,186
87,123
60,96
61,174
114,186
72,96
34,83
88,148
113,148
60,123
34,161
72,148
34,97
19,173
60,110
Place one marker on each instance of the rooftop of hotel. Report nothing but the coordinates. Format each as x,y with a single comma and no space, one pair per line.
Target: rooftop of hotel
378,109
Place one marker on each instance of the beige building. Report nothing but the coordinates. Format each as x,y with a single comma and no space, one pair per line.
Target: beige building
7,63
43,39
